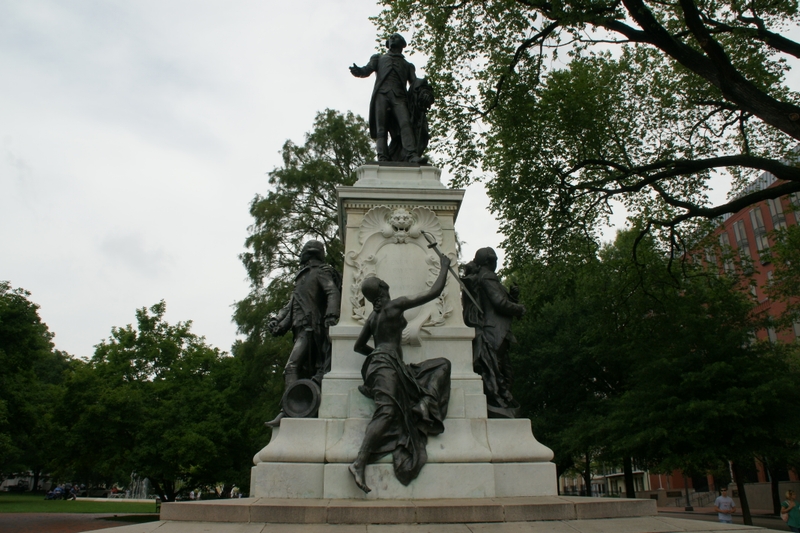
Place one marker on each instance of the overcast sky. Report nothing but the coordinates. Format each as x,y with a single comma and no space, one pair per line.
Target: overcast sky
134,134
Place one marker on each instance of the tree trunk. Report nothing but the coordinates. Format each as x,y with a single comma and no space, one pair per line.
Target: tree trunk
159,490
627,470
587,473
165,489
776,496
36,473
169,487
737,473
776,493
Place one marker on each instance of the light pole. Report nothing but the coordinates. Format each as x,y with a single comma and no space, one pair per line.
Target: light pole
688,501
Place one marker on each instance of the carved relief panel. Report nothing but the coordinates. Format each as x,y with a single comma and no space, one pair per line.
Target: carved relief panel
391,246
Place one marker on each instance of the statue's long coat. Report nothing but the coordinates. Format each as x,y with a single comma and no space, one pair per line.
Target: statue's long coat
382,64
316,295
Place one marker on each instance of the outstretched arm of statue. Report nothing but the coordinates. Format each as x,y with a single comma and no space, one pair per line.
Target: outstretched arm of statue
366,70
359,72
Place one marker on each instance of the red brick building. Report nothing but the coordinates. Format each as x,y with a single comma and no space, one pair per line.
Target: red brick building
748,233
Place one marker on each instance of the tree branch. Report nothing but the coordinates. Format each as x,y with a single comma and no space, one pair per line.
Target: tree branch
662,170
715,68
526,44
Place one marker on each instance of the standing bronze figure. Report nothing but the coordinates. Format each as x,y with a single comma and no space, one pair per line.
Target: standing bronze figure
490,313
398,106
410,400
312,309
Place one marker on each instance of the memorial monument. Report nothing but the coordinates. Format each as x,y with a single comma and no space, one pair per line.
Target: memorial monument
384,220
410,422
406,427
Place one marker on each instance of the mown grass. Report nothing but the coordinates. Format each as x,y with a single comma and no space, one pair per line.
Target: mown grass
35,503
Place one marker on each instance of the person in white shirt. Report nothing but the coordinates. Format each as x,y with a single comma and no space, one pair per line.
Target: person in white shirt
725,507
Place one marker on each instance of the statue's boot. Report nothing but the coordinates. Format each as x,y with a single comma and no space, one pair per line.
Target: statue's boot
275,422
289,377
417,160
382,148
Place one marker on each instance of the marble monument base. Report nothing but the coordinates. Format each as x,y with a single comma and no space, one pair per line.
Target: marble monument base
439,511
473,458
436,481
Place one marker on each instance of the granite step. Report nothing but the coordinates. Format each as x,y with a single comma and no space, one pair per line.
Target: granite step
451,511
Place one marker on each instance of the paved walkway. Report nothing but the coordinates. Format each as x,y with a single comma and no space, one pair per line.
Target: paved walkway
669,519
650,524
761,517
56,522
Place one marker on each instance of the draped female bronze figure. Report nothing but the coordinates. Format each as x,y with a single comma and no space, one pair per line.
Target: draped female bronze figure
410,400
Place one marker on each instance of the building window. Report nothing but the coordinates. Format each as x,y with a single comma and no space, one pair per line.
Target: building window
743,246
760,232
711,258
773,337
795,199
725,244
796,328
776,212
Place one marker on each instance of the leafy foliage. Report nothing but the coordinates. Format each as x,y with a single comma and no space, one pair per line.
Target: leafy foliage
301,206
154,400
31,374
566,106
785,286
618,359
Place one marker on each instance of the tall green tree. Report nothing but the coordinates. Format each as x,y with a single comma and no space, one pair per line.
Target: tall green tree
31,386
576,350
302,202
621,359
301,206
154,399
566,106
708,392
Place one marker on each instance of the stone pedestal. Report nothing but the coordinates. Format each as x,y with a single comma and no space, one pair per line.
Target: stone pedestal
382,219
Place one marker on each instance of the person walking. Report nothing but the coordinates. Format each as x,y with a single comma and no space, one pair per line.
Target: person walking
725,507
790,512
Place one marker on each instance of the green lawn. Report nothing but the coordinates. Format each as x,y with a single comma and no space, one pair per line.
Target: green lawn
35,503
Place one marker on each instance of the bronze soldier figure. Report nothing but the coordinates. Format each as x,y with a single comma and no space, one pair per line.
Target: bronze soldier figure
491,318
312,309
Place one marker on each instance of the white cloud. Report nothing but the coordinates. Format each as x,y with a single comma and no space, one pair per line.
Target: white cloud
129,250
